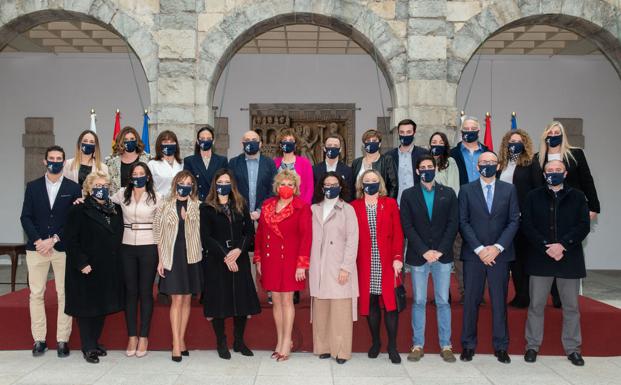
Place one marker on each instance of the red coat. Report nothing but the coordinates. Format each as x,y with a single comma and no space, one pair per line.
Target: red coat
283,244
390,245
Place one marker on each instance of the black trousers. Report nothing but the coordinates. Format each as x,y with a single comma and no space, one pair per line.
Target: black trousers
139,269
391,320
90,331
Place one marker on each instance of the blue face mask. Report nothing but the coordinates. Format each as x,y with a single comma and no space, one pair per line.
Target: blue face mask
205,145
372,147
183,191
130,145
101,193
470,136
554,178
139,181
437,150
168,149
516,148
87,148
251,147
55,167
332,152
223,189
287,147
371,188
332,192
406,140
427,175
488,170
554,141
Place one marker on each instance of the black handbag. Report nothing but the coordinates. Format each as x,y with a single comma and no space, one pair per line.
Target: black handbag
400,296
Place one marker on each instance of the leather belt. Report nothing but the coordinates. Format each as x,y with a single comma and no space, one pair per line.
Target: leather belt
139,226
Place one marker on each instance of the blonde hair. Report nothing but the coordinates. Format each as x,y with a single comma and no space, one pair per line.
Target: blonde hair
87,186
566,154
359,187
525,158
79,154
287,175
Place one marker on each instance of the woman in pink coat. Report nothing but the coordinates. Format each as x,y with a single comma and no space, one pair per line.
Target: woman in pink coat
333,276
299,164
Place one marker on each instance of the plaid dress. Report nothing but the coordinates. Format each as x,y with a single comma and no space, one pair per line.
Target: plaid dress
376,266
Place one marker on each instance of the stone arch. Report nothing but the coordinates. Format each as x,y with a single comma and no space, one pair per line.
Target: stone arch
17,17
365,27
598,21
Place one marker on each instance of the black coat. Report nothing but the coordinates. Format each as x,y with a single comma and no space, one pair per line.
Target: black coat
319,170
386,167
204,176
548,219
226,293
525,179
92,241
424,234
579,176
265,177
456,154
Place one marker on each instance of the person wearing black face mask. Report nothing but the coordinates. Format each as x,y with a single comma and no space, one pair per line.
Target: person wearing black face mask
489,217
126,150
405,156
204,163
254,173
47,201
556,221
167,162
466,153
332,162
373,159
94,274
138,202
87,158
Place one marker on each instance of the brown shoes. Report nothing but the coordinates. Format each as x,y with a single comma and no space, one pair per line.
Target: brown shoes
416,353
447,355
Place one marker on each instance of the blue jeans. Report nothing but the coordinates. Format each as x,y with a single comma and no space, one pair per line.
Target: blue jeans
441,274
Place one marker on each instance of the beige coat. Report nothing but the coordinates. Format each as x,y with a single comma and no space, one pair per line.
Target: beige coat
334,247
72,173
165,226
139,215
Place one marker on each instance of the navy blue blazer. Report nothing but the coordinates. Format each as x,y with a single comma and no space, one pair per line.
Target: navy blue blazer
204,176
265,177
319,170
456,154
39,220
478,227
416,153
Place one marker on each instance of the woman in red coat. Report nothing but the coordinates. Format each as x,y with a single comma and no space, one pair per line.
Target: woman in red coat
380,259
281,253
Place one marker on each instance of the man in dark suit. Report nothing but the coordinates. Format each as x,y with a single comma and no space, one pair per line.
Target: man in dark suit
489,217
253,173
46,203
204,163
405,156
332,151
430,220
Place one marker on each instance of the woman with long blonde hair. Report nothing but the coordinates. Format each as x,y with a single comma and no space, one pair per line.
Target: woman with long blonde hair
86,160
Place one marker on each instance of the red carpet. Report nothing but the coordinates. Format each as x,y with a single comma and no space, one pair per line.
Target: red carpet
601,333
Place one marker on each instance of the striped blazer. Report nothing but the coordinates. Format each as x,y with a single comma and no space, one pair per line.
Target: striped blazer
165,226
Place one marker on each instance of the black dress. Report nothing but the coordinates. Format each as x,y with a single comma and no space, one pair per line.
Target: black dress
184,278
227,294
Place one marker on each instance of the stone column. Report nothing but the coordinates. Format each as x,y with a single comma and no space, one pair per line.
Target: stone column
38,136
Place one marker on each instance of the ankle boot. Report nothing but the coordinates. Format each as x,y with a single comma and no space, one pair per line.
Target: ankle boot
239,326
218,328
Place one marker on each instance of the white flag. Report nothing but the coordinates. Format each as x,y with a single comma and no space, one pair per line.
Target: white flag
93,126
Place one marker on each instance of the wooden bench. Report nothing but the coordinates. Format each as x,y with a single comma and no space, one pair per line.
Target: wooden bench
14,250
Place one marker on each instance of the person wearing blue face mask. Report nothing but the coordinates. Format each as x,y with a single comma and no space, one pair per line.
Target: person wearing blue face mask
94,273
429,215
87,158
289,160
167,162
556,221
47,202
405,156
516,166
373,159
177,233
254,173
127,150
489,218
204,163
332,162
466,153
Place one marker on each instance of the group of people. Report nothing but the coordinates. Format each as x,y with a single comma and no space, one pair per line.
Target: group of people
108,228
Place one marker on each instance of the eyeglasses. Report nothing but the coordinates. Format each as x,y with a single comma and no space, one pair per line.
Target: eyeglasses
99,185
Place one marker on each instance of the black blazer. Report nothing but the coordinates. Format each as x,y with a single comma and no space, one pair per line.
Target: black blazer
525,179
416,153
320,169
265,177
456,154
386,167
39,220
478,227
579,176
204,176
424,234
564,219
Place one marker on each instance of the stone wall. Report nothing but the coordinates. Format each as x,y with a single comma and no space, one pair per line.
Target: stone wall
421,46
